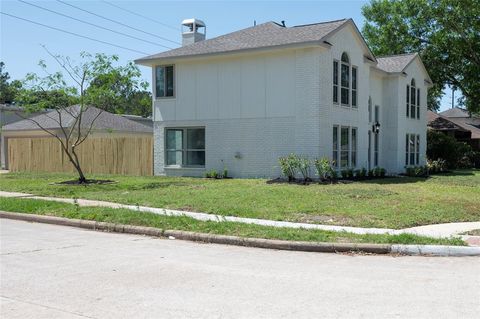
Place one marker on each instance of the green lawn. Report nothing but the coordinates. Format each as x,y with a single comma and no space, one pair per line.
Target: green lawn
124,216
392,203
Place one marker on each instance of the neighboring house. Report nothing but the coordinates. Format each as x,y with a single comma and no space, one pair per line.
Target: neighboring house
105,125
9,114
458,123
246,98
139,119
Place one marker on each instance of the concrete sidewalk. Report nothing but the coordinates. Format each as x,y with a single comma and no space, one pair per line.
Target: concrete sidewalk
435,231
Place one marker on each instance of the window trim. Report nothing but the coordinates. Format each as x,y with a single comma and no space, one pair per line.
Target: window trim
337,146
412,153
174,82
349,75
336,87
352,90
184,149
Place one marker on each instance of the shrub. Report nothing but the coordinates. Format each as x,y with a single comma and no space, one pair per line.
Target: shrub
416,171
289,165
211,174
456,154
347,173
324,168
377,172
437,166
304,167
361,173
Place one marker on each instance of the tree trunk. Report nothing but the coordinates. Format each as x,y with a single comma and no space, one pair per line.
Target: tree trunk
76,163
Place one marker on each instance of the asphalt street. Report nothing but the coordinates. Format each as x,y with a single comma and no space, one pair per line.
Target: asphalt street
52,271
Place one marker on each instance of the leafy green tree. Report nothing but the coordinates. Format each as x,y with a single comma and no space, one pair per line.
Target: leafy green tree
130,93
8,90
54,91
446,33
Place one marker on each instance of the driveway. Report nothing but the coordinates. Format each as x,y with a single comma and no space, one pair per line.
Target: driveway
59,272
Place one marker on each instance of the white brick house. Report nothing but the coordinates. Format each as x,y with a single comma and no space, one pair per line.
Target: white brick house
246,98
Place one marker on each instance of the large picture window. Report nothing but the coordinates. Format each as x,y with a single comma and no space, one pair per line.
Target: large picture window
185,147
164,81
412,149
344,146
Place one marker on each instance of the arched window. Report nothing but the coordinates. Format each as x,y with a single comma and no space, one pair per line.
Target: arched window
347,83
345,79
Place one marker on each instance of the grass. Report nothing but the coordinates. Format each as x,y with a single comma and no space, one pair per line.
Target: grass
123,216
388,203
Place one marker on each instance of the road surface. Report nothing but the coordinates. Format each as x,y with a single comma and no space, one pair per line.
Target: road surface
60,272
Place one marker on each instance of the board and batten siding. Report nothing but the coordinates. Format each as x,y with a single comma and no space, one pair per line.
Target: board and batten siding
259,107
111,155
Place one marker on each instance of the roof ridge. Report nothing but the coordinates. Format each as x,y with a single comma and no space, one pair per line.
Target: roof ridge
396,55
317,23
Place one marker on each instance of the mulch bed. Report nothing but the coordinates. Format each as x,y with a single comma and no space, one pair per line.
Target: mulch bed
76,182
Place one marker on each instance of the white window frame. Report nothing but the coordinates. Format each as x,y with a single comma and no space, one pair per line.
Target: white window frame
336,87
349,80
352,147
184,149
165,82
412,149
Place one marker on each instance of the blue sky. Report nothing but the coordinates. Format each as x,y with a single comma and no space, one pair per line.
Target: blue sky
20,44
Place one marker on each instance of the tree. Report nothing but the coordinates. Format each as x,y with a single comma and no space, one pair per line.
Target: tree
131,95
8,90
446,33
54,92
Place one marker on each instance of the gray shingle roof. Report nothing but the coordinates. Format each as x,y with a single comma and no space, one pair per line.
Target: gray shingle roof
104,121
455,112
266,35
395,63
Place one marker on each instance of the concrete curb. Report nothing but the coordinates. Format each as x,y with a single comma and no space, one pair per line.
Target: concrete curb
249,242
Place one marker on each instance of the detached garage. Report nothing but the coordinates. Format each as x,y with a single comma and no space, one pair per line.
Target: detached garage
116,145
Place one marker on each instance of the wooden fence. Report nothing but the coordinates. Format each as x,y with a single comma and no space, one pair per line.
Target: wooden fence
112,155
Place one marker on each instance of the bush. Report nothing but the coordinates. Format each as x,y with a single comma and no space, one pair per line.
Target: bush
289,165
361,173
347,173
437,166
456,154
211,174
304,168
416,171
324,168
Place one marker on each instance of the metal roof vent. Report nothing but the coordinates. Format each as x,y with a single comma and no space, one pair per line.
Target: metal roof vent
193,30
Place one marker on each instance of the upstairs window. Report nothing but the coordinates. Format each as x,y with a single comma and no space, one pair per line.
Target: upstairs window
345,79
369,109
354,86
413,100
418,103
335,81
164,81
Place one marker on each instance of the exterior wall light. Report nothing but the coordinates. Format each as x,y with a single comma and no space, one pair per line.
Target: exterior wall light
376,127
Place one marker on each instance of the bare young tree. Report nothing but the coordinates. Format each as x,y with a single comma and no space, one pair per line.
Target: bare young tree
75,102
